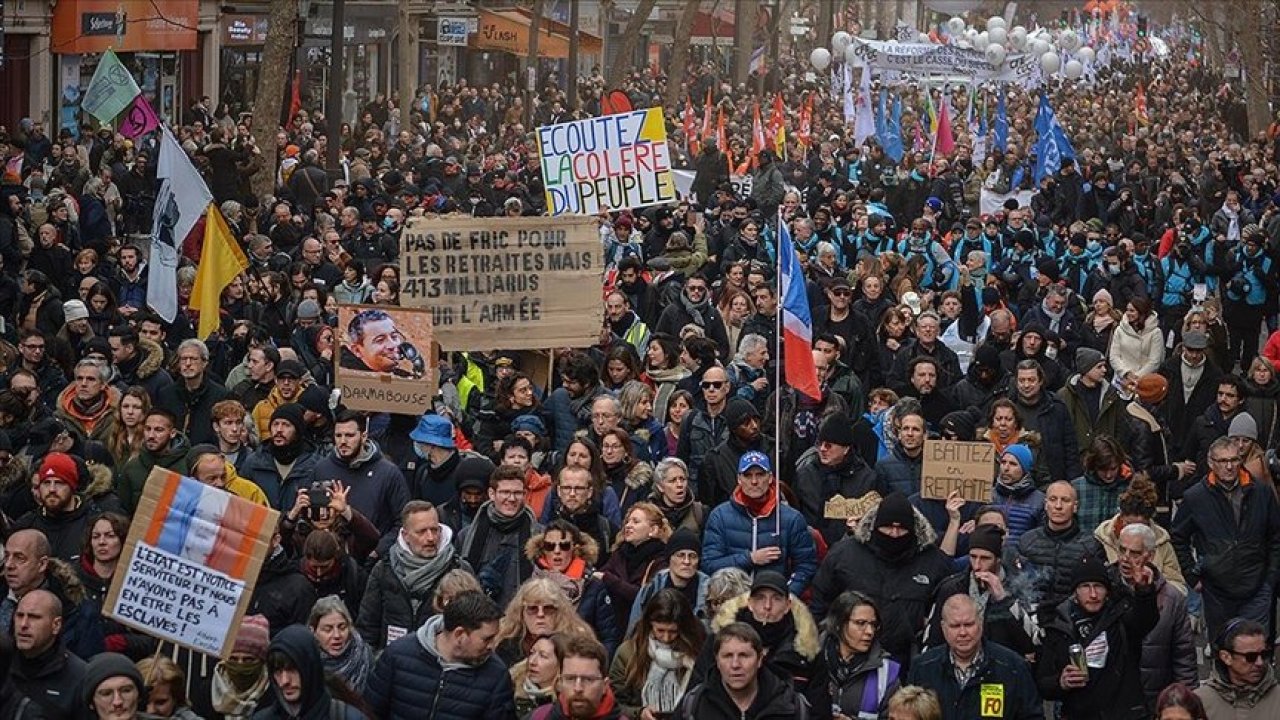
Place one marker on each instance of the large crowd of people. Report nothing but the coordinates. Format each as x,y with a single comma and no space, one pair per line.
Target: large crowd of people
649,533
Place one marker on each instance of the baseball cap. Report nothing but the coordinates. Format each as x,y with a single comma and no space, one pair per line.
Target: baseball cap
755,458
290,369
770,580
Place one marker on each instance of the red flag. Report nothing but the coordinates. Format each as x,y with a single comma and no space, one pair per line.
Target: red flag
690,140
1140,105
722,139
615,103
945,141
295,99
757,132
805,132
777,120
706,117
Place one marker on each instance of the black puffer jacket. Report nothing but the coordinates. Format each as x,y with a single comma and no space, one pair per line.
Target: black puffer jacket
1169,649
816,483
1010,622
298,644
1234,559
903,587
1049,417
283,594
387,603
1049,556
1114,691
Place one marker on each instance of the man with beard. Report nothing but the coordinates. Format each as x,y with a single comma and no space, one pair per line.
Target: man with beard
494,544
1214,423
298,679
64,509
375,486
655,240
585,690
764,322
162,446
290,376
401,587
831,468
410,677
317,416
1033,344
694,307
192,399
569,405
285,464
138,362
623,324
984,381
892,559
784,624
130,281
640,295
719,474
373,343
924,375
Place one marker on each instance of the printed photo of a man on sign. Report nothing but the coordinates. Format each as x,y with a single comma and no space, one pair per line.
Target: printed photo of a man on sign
386,358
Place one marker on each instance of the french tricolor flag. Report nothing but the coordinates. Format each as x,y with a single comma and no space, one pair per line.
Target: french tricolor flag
797,323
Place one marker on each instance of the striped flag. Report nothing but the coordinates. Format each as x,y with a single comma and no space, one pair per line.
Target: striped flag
797,324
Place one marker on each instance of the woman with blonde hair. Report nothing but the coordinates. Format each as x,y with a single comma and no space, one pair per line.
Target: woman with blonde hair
636,403
913,702
125,440
540,608
166,687
567,556
636,556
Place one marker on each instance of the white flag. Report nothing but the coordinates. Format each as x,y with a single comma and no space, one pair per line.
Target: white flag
183,198
848,94
866,122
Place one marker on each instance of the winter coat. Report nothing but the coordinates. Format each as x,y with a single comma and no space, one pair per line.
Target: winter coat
776,699
194,409
1050,418
1260,402
816,483
51,680
1011,622
1114,691
1179,411
898,472
1169,649
66,530
624,583
568,414
861,690
133,475
412,680
732,533
675,317
374,484
387,607
1136,353
718,475
1165,559
661,581
1051,556
282,493
1223,700
1107,420
283,594
902,587
99,426
1023,509
316,703
145,368
1234,559
700,433
999,667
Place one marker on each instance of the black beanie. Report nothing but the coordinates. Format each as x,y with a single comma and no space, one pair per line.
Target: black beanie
738,411
684,539
837,430
292,413
989,538
987,356
960,423
895,509
1090,569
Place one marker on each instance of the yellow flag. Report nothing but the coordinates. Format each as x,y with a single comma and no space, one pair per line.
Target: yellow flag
221,260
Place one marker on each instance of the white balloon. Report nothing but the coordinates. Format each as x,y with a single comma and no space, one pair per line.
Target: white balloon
964,43
1018,38
995,55
1050,63
1086,54
980,42
1069,41
820,58
998,36
922,38
1042,46
971,34
1073,69
995,21
840,41
956,25
851,55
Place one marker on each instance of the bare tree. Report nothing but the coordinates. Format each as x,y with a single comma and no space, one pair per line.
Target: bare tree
681,38
282,25
627,47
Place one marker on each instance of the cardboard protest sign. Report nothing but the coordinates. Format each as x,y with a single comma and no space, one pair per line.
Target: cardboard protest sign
604,163
843,508
191,561
386,361
968,468
515,283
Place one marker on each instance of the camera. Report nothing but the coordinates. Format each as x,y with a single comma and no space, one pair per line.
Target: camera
1239,287
320,494
1182,249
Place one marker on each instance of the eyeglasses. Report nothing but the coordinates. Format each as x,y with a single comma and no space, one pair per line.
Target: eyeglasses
695,288
574,680
562,546
842,293
864,624
712,384
547,609
1225,461
1253,657
510,494
573,489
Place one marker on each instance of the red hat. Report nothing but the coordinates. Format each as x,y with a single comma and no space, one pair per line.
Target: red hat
61,466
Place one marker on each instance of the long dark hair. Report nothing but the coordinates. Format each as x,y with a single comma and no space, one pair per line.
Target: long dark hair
668,606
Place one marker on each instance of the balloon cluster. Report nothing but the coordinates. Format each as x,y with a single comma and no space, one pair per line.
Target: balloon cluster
1063,51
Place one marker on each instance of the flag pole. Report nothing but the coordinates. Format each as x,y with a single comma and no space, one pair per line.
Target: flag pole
933,151
777,385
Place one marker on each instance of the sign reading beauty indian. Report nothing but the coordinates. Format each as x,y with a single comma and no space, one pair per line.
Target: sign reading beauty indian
614,162
524,283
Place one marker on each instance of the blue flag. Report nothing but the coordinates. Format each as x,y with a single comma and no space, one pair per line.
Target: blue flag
1053,149
1001,141
893,148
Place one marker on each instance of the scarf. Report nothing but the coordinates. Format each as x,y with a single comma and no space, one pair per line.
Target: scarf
760,507
91,408
639,558
664,685
1233,227
228,699
805,422
540,696
419,574
1054,318
1246,696
675,513
488,519
1018,489
287,454
1102,322
572,581
695,311
352,664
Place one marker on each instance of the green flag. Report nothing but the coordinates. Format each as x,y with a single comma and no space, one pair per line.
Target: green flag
111,90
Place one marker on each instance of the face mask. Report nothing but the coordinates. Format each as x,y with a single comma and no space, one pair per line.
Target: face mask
243,675
892,546
1113,269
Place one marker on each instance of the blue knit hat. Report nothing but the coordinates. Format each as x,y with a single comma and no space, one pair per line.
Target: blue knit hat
1023,455
529,423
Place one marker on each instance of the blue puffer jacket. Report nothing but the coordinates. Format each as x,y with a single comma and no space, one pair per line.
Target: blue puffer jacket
1023,509
411,680
733,532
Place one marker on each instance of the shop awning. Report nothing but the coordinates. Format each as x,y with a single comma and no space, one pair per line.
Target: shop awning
508,31
92,26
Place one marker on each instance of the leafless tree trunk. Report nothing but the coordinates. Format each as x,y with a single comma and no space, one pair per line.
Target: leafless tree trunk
682,36
273,77
622,63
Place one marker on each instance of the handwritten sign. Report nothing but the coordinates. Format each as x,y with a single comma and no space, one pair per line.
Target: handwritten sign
386,359
193,554
843,508
967,468
515,283
612,162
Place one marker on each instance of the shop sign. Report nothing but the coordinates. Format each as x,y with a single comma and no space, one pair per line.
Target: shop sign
93,26
244,29
100,23
452,31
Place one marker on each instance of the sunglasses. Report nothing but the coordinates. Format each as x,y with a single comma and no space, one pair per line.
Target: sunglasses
1252,657
712,384
563,546
842,293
